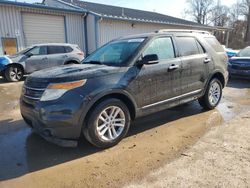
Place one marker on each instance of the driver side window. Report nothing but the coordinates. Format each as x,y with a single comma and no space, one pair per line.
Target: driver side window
163,47
40,50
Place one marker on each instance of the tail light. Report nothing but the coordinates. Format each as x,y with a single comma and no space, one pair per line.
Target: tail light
80,53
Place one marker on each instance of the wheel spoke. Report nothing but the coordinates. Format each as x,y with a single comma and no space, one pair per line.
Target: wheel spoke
118,110
114,131
103,131
102,119
110,134
101,127
119,125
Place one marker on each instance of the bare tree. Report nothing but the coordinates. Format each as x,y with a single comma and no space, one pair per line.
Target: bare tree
200,10
220,15
245,9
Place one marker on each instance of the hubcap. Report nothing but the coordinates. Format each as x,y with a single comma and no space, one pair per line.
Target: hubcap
16,73
111,123
214,93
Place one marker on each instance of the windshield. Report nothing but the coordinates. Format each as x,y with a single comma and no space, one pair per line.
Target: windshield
115,53
244,53
24,51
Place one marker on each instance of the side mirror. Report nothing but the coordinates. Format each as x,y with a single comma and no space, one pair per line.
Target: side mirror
29,54
150,59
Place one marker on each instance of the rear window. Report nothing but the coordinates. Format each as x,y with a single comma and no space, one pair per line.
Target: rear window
213,42
56,49
68,49
188,46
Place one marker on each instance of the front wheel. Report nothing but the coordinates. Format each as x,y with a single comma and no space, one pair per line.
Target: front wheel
13,74
108,123
212,95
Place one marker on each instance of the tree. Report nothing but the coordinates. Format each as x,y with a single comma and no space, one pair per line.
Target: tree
220,15
200,10
245,9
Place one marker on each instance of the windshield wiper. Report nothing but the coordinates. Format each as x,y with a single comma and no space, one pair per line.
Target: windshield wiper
93,62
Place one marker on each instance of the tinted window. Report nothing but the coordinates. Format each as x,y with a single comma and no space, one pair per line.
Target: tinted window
163,47
213,42
187,46
56,49
68,49
41,50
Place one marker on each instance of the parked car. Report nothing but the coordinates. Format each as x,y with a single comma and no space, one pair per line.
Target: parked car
125,79
39,57
239,66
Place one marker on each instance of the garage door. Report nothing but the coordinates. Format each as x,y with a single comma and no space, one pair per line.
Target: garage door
39,28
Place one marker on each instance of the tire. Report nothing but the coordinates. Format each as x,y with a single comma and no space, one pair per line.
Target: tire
13,74
100,128
212,95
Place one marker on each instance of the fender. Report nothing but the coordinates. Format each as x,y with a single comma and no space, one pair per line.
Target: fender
217,71
4,62
92,100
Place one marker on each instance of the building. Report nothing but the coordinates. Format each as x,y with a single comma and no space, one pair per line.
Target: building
90,25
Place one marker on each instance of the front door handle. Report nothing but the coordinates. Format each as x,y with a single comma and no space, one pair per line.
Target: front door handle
173,67
45,58
207,60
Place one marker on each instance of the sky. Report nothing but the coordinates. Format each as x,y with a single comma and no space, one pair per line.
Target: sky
169,7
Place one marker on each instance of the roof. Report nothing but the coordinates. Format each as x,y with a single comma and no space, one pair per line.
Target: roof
115,12
39,6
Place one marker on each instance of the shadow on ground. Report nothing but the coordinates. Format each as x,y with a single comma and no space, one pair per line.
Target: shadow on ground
238,83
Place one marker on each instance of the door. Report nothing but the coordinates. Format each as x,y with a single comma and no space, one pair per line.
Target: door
9,46
56,55
194,59
36,59
159,83
42,28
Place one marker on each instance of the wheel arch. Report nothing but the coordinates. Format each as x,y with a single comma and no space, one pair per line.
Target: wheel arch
220,77
15,64
70,61
124,96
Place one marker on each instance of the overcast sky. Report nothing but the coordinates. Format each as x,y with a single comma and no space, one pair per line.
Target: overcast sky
170,7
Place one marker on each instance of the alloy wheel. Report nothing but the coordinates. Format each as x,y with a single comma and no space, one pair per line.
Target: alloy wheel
111,123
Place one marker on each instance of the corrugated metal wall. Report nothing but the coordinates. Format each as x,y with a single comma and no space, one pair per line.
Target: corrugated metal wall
91,27
111,29
75,30
11,25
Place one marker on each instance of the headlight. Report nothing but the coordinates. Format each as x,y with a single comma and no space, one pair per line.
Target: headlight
55,91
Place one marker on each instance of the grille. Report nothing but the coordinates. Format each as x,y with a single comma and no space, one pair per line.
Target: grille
237,67
33,90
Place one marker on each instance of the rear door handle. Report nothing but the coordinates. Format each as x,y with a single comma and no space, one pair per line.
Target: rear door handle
173,67
207,60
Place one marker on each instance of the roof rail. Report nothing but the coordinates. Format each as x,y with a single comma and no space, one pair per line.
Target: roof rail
183,31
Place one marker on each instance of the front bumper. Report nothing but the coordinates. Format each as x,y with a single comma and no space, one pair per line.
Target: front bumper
53,122
239,73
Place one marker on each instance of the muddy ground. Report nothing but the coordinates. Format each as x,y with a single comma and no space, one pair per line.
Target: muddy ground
26,160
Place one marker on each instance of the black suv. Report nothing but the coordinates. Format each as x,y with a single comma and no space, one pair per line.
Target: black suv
125,79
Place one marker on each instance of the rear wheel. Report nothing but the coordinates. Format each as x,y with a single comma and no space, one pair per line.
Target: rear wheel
212,95
108,123
13,74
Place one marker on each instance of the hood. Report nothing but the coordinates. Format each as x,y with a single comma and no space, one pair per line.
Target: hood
240,60
74,72
17,58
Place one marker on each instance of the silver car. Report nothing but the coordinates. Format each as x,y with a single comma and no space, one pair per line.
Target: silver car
38,57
